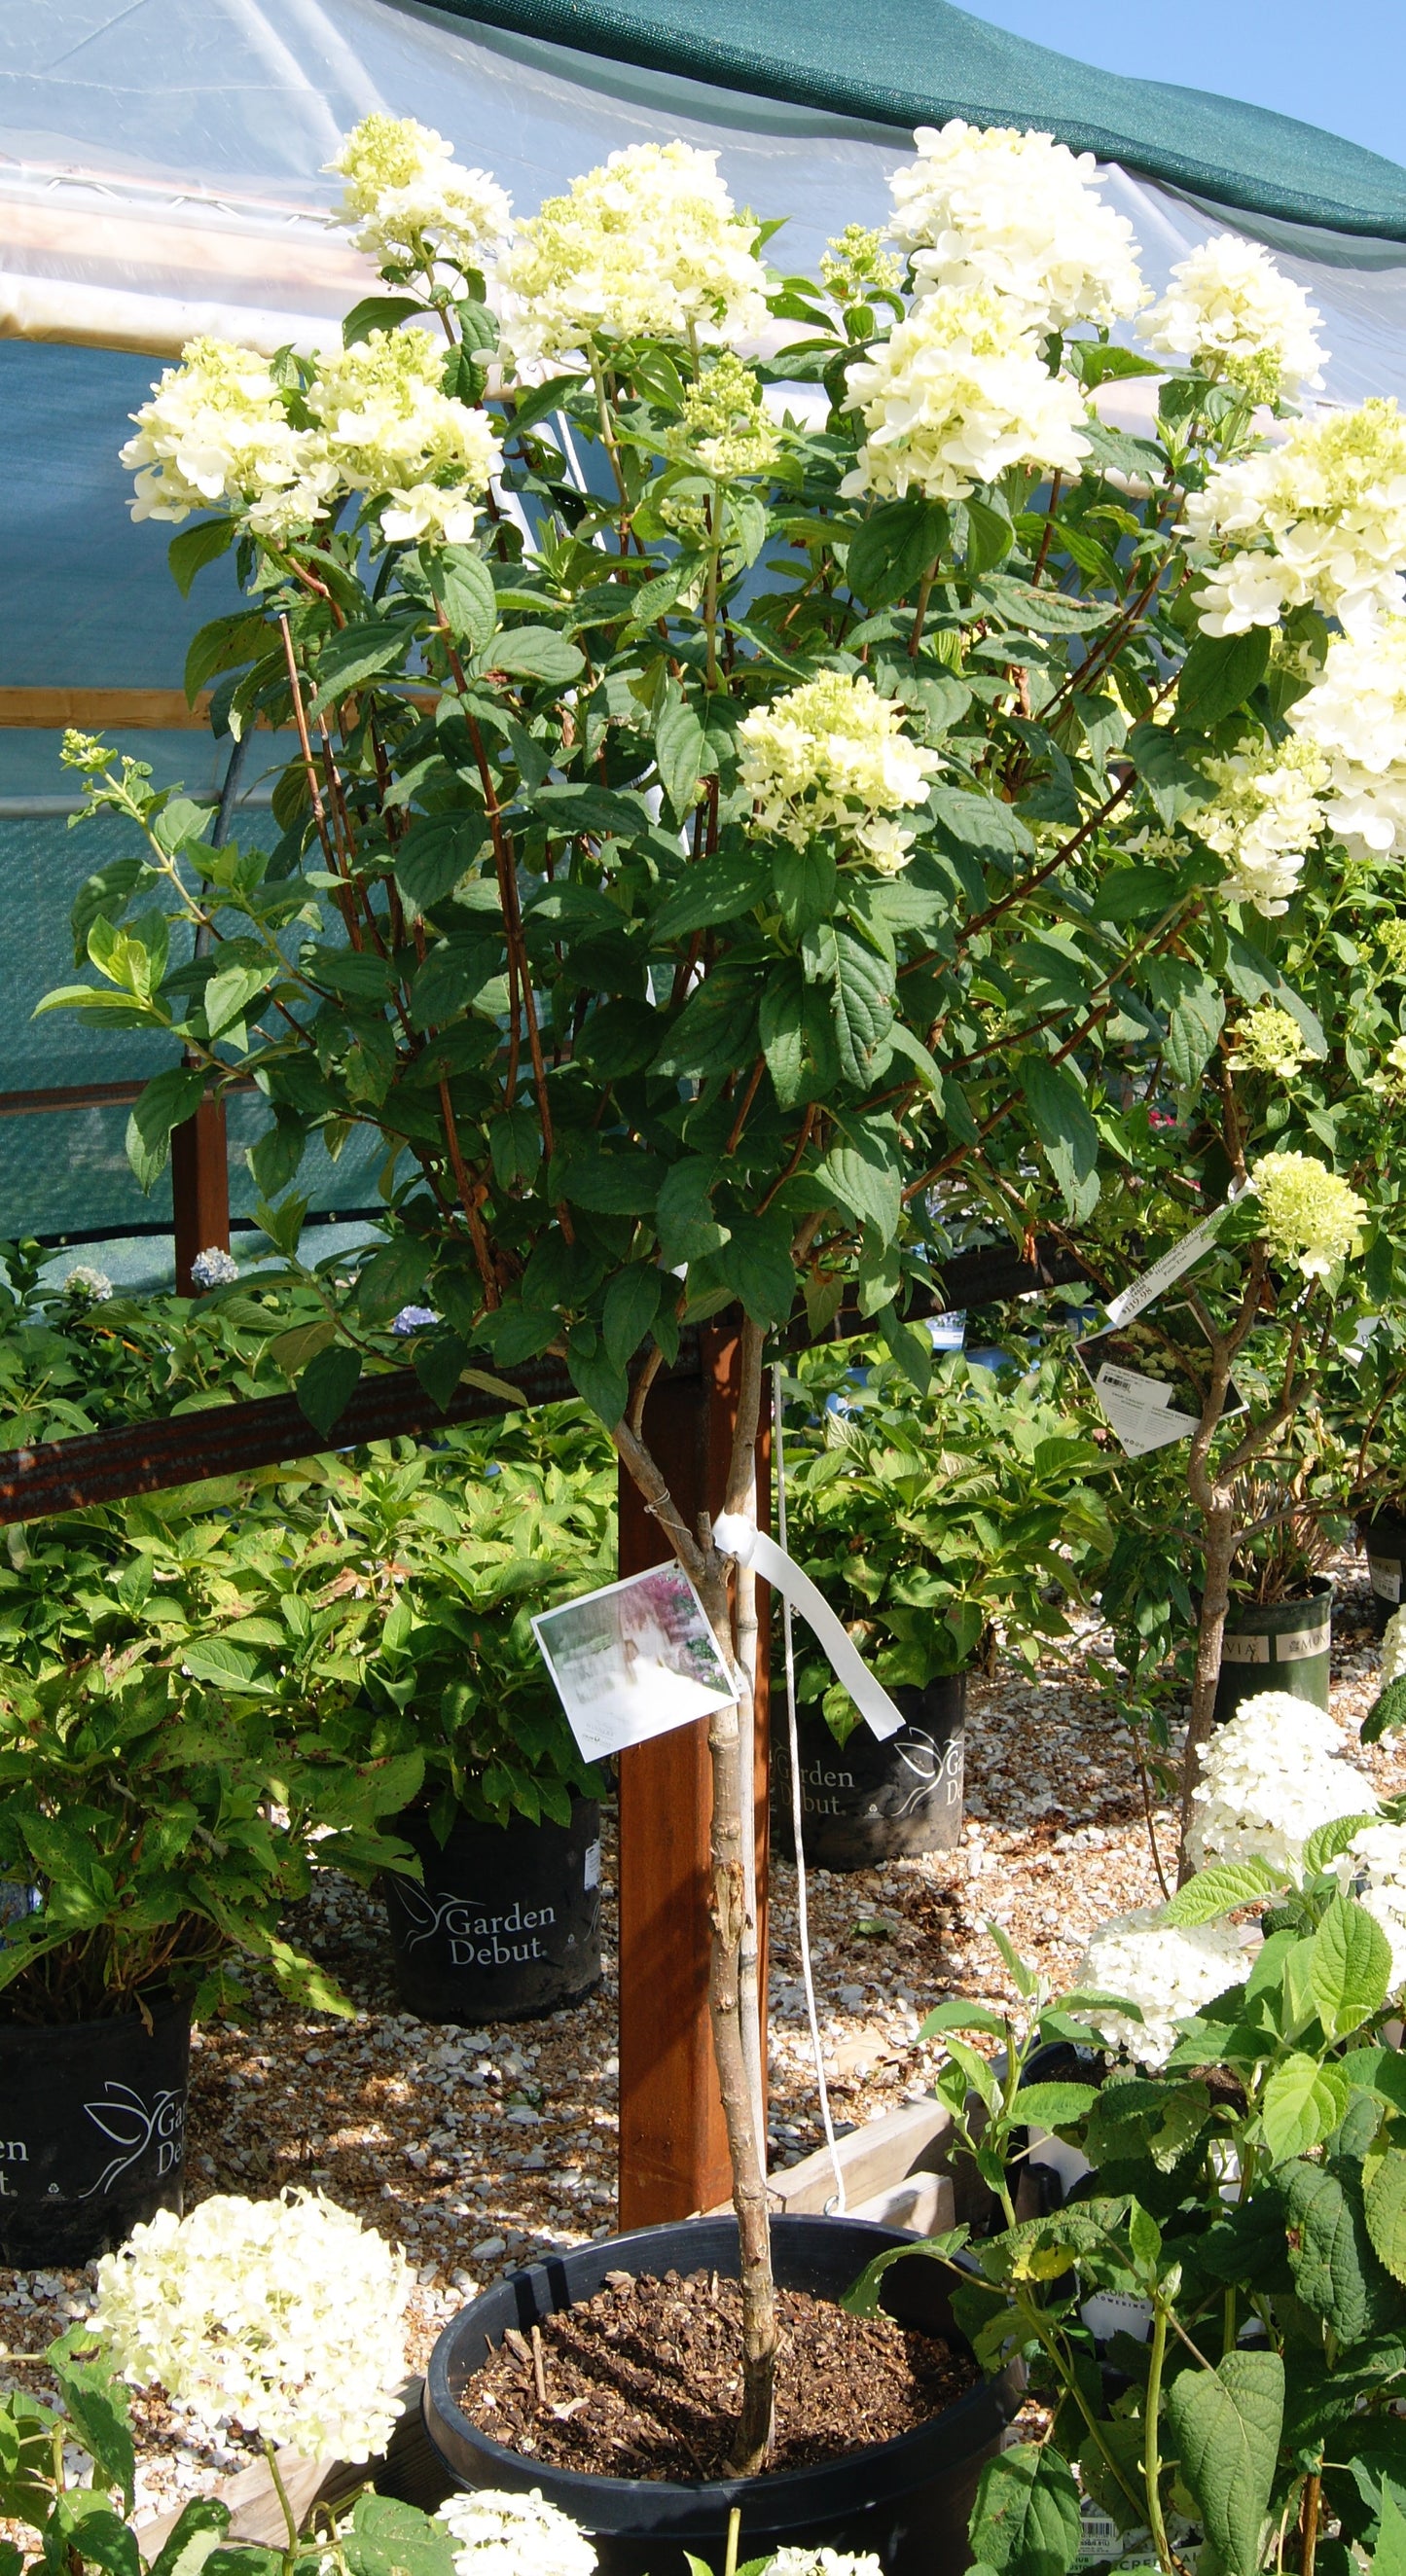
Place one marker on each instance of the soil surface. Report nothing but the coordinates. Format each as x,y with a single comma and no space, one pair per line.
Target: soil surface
642,2381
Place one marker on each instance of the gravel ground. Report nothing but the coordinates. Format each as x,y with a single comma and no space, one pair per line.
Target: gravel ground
479,2150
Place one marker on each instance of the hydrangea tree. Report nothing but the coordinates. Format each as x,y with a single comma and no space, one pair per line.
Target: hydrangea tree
754,822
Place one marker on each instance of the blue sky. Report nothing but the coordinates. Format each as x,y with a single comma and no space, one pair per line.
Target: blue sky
1335,63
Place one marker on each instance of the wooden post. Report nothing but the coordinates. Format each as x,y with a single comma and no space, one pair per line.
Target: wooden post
199,1189
673,2150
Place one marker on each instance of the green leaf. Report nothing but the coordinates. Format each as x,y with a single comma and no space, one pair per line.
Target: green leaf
1302,2105
327,1385
1350,1969
392,2539
603,1384
392,1278
1335,2268
101,2537
1220,1889
1027,2516
199,2528
461,582
536,405
631,1304
956,2014
1055,2106
1226,2425
358,653
97,2405
228,994
1385,2203
1326,1841
981,823
688,1228
615,1184
536,653
214,1659
436,852
195,547
865,1184
1389,2556
1388,1709
892,549
582,807
1065,1128
1195,1018
168,1099
379,313
863,990
1220,672
990,537
804,883
679,748
1045,612
718,890
1164,770
757,1265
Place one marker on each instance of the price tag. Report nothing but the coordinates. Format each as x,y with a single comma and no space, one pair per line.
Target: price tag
1173,1265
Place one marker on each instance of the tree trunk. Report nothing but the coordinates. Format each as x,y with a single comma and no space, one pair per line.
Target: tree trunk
1215,1602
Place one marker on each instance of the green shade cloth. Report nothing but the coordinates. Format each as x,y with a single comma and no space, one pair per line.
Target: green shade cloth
919,62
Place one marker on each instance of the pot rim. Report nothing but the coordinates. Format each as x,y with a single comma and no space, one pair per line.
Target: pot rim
165,2007
679,2498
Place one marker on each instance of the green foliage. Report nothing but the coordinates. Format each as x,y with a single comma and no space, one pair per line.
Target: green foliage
72,2517
927,1517
1251,2194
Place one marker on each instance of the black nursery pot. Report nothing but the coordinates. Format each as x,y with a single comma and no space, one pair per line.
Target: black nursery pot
92,2132
1283,1648
1383,1537
507,1922
909,2500
868,1801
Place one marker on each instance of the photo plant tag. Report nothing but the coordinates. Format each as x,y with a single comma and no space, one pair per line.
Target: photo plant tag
633,1660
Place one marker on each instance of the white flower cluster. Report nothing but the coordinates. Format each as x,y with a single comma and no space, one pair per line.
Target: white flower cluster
389,427
1355,717
498,2533
1269,1040
1235,315
649,245
823,2562
216,430
831,757
725,424
91,1287
1018,213
214,1268
1168,1973
282,2315
958,392
1263,821
412,205
1393,1650
1308,1215
1325,515
1373,1869
1269,1777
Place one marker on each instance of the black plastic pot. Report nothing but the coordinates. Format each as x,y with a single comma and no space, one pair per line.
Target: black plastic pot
92,2132
908,2501
1282,1648
1383,1537
507,1922
868,1801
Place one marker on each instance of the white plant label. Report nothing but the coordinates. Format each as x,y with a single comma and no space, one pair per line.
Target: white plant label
1140,1408
634,1660
1173,1265
736,1537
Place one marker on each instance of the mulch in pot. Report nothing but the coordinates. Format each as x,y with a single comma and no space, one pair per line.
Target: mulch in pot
643,2381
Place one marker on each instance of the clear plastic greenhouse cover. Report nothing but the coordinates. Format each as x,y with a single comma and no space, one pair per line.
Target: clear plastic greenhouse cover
161,173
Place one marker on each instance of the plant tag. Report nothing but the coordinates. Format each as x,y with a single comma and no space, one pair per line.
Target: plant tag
1099,2536
1146,1412
633,1660
1110,2312
1385,1573
1173,1265
736,1537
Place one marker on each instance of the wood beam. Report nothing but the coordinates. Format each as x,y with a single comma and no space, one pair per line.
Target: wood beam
673,2145
95,710
199,1188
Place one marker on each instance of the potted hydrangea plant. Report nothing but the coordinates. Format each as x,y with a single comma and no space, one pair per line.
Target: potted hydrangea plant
925,1518
725,867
